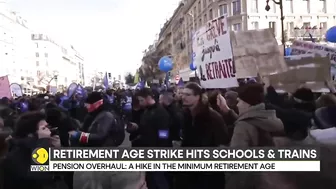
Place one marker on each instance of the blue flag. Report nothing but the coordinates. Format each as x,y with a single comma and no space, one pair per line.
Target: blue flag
140,85
81,92
180,83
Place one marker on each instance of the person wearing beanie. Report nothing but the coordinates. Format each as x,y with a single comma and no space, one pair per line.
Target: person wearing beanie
100,126
255,125
304,100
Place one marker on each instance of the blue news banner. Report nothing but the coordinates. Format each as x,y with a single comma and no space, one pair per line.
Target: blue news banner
175,159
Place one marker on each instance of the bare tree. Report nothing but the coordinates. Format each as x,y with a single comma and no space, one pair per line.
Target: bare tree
129,78
150,69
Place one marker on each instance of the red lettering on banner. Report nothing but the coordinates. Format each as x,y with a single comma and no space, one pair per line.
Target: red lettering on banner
219,69
215,28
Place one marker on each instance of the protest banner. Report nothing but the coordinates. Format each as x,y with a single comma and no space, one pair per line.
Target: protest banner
4,87
305,47
256,52
213,55
16,90
308,70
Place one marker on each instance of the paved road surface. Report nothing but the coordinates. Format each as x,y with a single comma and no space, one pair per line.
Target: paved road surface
126,142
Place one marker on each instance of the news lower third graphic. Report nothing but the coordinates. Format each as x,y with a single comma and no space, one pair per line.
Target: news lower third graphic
40,158
176,159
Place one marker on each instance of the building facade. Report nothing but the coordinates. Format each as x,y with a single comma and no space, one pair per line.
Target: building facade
35,60
16,49
301,17
57,65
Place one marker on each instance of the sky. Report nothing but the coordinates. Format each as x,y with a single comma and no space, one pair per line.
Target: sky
110,34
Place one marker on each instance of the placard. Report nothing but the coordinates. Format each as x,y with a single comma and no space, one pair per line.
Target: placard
213,55
256,52
4,87
16,90
305,47
305,70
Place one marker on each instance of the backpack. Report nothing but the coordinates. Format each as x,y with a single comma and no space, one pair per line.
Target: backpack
117,129
118,132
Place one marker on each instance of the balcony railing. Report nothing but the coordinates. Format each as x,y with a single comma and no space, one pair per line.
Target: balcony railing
306,32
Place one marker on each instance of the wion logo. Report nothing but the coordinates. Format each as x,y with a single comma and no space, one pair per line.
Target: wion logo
40,158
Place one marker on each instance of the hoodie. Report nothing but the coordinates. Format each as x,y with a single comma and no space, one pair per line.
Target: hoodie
324,136
255,127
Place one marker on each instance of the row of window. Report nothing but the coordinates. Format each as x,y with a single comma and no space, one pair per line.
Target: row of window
38,55
20,72
223,9
290,27
236,7
288,6
38,63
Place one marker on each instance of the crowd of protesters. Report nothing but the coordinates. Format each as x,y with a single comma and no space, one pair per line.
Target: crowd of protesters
252,115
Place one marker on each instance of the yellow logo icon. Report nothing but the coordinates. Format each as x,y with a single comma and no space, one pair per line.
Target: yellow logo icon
40,156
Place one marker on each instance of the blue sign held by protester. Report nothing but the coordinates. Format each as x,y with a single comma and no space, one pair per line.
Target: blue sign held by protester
71,89
128,103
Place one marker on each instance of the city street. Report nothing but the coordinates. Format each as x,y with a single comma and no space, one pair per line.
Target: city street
127,142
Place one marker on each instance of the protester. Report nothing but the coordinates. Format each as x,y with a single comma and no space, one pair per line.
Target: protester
31,132
101,127
203,127
153,131
251,115
175,113
255,125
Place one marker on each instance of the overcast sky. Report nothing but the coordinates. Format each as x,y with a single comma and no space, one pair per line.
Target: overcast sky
110,34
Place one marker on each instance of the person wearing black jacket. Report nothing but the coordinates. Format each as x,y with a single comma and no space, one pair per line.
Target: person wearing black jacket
137,112
154,124
153,131
31,132
101,130
99,127
203,127
175,112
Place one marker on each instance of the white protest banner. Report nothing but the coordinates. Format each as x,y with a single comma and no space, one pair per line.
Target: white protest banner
305,47
16,90
213,55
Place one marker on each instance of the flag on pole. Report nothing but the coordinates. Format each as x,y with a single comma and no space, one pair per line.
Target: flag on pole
180,83
136,77
105,81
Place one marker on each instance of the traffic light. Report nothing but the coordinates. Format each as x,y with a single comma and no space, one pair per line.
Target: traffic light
109,75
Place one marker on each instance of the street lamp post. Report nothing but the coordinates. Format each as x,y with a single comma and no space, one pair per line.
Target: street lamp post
192,35
267,8
56,81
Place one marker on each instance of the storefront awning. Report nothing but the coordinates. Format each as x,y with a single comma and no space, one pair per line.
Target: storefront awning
186,74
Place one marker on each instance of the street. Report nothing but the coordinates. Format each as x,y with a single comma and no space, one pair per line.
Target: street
127,142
